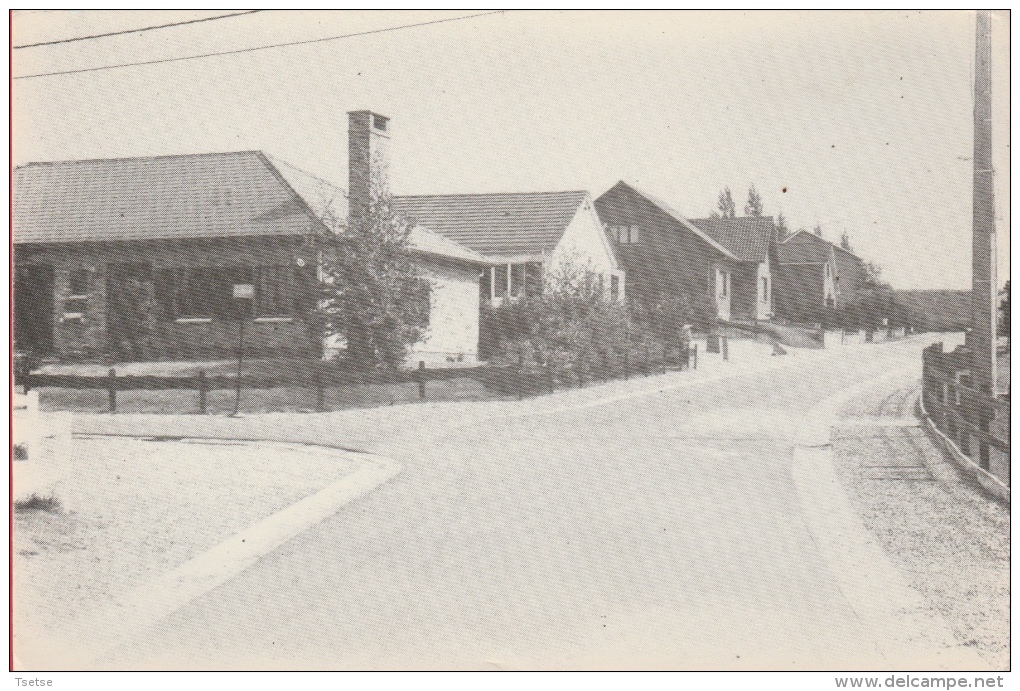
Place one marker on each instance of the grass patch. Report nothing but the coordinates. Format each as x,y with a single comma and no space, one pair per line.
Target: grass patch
49,504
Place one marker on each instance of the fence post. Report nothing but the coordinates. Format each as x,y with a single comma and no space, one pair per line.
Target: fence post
626,362
421,379
984,425
663,358
520,376
725,348
648,360
695,356
111,389
550,374
320,388
202,388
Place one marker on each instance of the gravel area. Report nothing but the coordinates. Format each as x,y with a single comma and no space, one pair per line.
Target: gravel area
949,538
131,509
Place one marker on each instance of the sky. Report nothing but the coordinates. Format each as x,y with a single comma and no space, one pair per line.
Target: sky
860,122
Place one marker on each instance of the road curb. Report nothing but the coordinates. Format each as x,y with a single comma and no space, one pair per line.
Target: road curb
97,632
993,485
908,634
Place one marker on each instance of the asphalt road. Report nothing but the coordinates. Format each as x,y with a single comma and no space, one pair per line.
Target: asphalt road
661,531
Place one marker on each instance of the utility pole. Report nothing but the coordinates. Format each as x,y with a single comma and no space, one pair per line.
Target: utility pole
983,286
983,292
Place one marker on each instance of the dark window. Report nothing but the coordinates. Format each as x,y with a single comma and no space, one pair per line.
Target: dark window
274,291
485,283
614,288
208,292
79,283
501,273
533,278
517,273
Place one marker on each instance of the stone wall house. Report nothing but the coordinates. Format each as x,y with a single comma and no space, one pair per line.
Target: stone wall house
138,258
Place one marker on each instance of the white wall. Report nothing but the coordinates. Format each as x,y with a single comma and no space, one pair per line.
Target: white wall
453,322
585,242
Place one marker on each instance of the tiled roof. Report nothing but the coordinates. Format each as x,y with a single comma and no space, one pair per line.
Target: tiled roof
747,237
243,193
496,224
804,248
164,197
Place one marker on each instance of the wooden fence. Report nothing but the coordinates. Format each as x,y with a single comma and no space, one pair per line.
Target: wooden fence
520,379
976,422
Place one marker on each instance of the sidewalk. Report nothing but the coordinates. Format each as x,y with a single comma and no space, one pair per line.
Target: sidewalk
131,510
940,529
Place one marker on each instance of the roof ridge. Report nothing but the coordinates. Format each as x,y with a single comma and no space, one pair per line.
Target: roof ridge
486,194
122,159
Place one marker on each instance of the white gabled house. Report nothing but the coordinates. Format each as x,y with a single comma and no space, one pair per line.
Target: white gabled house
525,237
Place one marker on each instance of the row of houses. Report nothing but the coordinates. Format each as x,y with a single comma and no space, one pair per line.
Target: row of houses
88,233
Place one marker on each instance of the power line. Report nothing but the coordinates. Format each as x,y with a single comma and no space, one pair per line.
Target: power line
257,48
134,31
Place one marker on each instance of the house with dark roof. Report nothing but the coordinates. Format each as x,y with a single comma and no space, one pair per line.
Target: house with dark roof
812,275
665,254
525,237
105,247
752,240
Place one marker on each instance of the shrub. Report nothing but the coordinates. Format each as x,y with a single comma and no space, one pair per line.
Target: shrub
49,504
573,325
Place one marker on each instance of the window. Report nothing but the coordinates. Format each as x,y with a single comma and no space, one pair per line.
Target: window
77,300
722,281
625,235
533,282
614,288
205,292
517,272
500,280
79,283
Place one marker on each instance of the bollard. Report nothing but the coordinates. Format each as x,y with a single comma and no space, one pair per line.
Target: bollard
111,389
421,379
203,387
725,348
695,356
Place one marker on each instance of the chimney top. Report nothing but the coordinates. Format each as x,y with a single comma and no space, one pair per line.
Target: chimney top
379,123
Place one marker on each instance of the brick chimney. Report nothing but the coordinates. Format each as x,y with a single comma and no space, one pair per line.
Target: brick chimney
368,151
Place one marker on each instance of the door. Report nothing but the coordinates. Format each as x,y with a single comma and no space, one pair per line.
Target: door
722,294
33,308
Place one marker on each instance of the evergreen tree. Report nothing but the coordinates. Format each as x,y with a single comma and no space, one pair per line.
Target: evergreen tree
374,292
725,205
782,230
754,206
